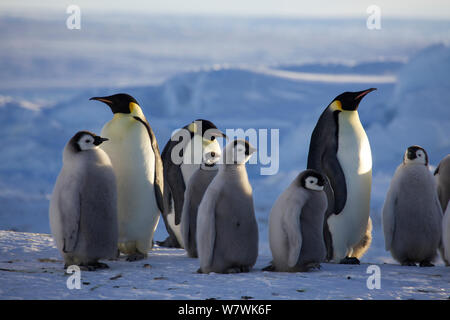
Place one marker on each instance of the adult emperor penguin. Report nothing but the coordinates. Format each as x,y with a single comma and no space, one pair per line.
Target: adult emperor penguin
182,156
442,174
412,214
340,149
227,232
135,157
83,205
195,190
296,224
445,250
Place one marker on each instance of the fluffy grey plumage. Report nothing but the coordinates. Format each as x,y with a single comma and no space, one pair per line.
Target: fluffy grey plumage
83,206
445,250
296,224
442,174
227,232
412,214
195,190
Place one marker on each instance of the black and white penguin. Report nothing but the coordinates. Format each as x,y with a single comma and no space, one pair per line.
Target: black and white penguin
188,145
137,164
442,174
340,149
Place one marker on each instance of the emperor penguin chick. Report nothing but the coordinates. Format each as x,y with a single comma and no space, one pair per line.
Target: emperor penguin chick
227,231
83,206
137,163
442,174
296,224
412,214
195,190
182,156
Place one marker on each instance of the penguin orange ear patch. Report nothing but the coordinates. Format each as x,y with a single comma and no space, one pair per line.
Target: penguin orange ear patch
132,106
336,105
192,127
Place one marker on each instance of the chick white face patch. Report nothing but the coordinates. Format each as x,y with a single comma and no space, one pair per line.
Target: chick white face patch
415,157
265,153
312,183
86,142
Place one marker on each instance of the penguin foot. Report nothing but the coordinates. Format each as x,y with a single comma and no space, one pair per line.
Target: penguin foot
233,270
116,257
409,264
100,265
245,269
426,263
269,268
135,256
168,243
93,266
314,265
350,260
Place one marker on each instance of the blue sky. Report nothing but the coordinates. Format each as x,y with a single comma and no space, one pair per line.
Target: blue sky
434,9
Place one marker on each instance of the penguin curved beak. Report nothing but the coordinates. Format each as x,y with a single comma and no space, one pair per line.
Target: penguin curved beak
102,99
99,140
350,100
251,150
362,94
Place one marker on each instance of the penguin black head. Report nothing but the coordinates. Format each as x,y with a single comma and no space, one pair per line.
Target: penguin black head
85,140
119,103
239,144
349,101
238,152
312,180
208,129
415,155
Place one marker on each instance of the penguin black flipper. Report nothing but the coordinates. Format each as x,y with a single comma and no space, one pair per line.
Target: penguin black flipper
174,184
322,157
177,187
333,170
174,177
159,172
437,169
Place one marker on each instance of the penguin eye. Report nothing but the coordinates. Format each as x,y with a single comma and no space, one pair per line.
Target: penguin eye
213,138
87,140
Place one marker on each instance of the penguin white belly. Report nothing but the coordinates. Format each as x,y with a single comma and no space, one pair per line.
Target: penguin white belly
446,235
176,228
354,155
133,162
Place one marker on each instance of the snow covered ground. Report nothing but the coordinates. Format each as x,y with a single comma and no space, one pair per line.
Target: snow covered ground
31,268
238,73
